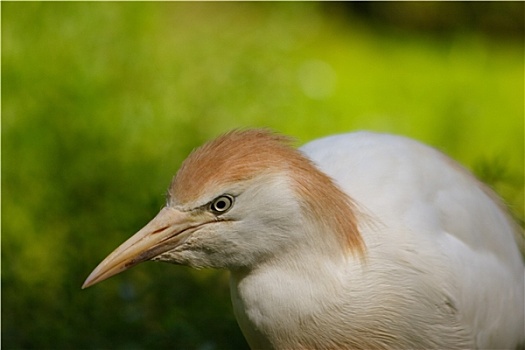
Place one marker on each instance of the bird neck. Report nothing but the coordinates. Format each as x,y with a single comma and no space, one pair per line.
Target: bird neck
272,299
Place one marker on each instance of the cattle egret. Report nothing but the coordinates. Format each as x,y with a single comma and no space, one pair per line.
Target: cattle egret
354,241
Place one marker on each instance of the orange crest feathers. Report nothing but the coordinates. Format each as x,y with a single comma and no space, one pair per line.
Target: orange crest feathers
235,156
240,155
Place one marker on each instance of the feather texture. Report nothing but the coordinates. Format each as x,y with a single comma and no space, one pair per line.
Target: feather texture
354,241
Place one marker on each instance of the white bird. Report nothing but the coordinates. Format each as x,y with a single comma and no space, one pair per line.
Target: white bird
355,241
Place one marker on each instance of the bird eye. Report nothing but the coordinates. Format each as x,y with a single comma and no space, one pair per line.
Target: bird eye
221,204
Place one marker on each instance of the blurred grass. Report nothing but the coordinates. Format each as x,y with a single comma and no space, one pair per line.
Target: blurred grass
102,101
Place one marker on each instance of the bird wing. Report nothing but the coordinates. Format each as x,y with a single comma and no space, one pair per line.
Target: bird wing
433,211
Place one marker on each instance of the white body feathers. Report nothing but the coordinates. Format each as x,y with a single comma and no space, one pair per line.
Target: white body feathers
385,244
442,268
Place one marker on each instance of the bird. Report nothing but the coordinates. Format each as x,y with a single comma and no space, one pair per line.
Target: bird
360,240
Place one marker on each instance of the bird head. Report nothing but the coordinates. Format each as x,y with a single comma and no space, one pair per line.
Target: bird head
238,201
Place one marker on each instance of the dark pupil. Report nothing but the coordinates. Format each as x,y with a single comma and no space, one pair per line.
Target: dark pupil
220,205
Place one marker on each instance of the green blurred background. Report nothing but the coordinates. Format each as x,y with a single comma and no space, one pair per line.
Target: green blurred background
102,101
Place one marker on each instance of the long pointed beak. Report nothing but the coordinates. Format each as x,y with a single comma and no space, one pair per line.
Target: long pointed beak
167,230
